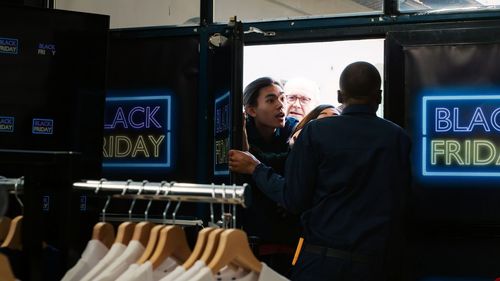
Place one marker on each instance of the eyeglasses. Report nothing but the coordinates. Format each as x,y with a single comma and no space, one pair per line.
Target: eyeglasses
294,98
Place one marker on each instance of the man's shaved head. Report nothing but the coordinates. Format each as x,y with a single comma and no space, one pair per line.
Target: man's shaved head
360,80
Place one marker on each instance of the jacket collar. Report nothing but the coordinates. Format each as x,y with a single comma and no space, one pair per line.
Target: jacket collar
359,108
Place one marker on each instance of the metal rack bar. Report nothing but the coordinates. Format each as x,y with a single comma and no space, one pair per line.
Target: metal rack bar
183,192
157,221
12,184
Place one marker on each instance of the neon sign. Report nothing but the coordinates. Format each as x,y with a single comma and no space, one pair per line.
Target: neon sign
460,134
6,124
45,48
221,135
42,126
138,131
9,46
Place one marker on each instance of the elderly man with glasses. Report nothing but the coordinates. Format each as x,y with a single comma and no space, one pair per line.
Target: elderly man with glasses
301,96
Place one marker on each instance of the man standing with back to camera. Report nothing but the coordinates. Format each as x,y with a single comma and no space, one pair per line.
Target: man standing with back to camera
348,177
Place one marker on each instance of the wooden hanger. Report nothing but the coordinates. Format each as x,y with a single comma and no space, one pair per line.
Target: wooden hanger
212,244
142,231
5,269
211,248
152,242
4,228
125,232
233,248
14,240
104,232
172,243
199,247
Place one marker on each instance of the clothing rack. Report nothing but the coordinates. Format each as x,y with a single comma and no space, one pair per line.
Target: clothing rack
169,191
12,184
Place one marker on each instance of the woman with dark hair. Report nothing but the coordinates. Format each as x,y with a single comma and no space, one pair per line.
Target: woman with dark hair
320,111
268,131
265,108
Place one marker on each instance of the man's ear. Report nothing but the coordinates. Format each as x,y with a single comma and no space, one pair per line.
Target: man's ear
379,97
250,110
340,96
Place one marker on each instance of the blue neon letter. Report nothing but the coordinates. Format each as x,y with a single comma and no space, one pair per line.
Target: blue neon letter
456,128
493,119
150,117
478,119
119,118
131,117
443,122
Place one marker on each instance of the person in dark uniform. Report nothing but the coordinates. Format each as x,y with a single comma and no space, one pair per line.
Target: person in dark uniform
268,131
349,179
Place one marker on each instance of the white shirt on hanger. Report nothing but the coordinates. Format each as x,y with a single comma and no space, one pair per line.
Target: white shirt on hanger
191,271
128,273
114,252
266,274
179,272
174,274
130,255
145,271
92,254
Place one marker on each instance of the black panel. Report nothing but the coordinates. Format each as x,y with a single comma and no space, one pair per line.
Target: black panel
455,212
460,62
52,66
159,76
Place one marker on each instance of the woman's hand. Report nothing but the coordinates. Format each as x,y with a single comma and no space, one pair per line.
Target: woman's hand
242,162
